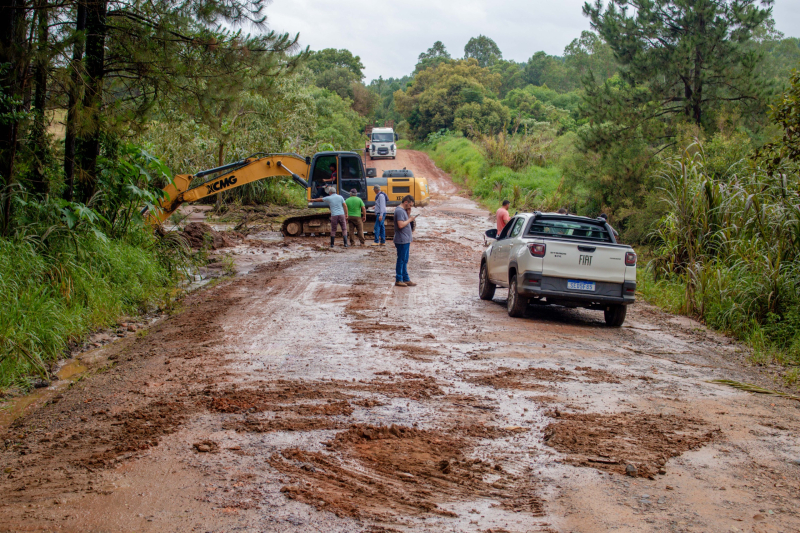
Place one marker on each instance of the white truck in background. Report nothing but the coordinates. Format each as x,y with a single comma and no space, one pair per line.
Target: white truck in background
567,260
382,143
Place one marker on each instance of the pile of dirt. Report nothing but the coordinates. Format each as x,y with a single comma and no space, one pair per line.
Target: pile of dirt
402,385
596,375
379,471
280,396
200,235
292,423
532,378
415,351
523,379
611,442
139,430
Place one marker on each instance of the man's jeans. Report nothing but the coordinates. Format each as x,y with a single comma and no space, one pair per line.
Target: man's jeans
401,270
380,228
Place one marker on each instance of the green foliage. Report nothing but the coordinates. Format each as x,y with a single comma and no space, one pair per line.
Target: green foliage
484,50
433,100
51,295
528,188
435,55
731,243
589,57
688,53
339,71
786,114
337,123
330,58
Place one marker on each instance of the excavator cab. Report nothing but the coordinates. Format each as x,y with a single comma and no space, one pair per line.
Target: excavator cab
349,174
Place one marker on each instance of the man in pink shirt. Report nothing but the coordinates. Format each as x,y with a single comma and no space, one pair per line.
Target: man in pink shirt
502,216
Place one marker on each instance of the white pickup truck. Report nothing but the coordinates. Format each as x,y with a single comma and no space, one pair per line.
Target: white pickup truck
548,258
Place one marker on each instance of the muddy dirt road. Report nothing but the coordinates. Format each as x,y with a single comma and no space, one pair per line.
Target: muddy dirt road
310,394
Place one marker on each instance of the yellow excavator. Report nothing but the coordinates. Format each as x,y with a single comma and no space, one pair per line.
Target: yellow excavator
344,170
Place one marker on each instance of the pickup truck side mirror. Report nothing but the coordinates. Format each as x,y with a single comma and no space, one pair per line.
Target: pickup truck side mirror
491,233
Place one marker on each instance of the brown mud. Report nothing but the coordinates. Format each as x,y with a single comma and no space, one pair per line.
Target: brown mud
308,393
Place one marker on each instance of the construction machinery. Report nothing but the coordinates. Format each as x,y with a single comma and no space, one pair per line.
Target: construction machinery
343,170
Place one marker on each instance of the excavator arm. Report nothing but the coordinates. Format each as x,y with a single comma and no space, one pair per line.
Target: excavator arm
254,168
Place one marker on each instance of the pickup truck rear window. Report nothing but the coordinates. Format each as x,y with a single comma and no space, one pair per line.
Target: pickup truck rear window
567,229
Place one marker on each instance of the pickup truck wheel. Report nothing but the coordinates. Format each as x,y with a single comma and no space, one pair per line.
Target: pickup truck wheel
615,315
516,304
485,287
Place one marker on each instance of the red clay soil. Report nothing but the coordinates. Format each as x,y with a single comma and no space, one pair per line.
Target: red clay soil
381,471
612,442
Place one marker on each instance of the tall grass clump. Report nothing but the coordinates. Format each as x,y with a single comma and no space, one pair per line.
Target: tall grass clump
731,242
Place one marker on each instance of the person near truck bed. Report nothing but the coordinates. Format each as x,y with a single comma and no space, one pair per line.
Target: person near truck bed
338,213
356,215
503,216
402,241
380,216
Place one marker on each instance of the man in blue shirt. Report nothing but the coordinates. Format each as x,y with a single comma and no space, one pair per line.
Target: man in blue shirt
380,216
402,240
338,213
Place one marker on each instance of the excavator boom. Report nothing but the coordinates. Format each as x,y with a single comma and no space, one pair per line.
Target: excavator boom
229,177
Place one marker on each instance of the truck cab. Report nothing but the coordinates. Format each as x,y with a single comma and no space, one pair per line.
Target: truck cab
382,143
345,171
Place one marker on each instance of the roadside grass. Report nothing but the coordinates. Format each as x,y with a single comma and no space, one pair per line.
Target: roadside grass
50,297
534,187
768,348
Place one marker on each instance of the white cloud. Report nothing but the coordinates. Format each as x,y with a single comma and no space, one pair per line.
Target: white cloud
390,35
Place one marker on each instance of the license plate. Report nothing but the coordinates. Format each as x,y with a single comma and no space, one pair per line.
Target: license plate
580,285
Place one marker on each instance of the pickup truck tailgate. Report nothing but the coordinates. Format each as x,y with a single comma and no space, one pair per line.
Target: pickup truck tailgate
584,261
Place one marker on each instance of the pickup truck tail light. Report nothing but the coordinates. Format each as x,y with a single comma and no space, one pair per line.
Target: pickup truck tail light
630,259
537,250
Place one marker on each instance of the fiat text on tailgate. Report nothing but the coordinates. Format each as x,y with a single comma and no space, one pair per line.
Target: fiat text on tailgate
553,259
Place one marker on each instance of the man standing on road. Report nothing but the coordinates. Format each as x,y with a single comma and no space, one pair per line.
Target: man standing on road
356,215
402,240
380,216
503,216
338,213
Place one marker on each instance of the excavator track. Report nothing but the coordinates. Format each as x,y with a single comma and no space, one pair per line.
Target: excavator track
318,222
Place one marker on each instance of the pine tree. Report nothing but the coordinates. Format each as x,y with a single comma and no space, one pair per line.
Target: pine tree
689,53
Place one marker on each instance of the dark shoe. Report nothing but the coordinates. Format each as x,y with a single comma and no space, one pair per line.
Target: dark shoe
400,284
410,283
331,242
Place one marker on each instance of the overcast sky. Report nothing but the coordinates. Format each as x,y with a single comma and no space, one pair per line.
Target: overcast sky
390,35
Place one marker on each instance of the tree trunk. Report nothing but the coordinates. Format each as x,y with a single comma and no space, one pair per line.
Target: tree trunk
89,140
73,98
41,144
13,55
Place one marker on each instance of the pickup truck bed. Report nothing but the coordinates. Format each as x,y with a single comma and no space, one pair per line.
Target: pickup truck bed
560,259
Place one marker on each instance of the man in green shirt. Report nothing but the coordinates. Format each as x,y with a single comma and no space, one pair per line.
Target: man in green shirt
356,216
